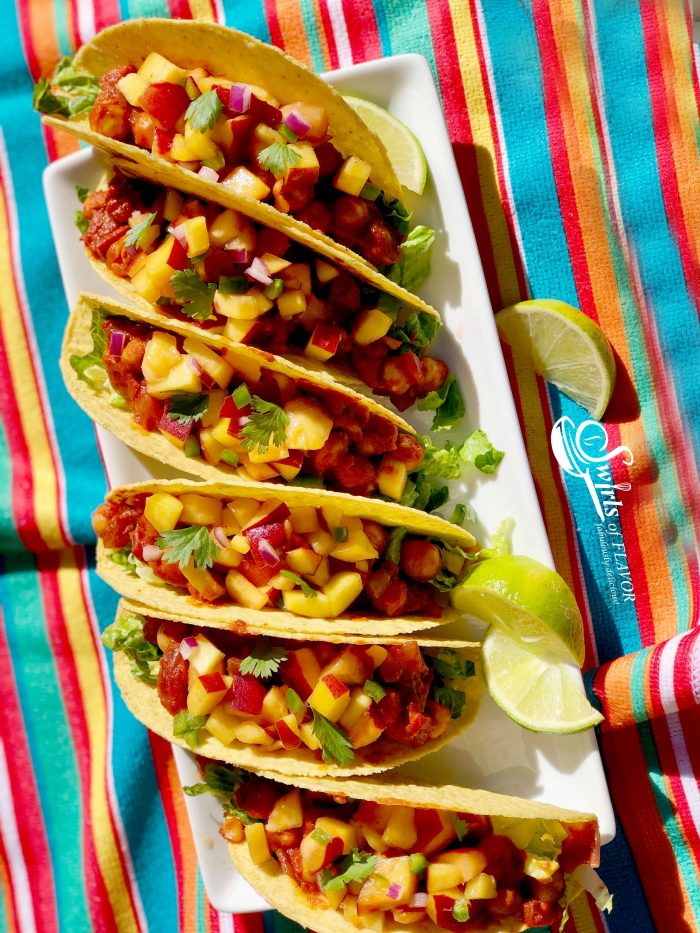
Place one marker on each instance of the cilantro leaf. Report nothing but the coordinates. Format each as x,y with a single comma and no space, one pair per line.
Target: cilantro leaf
184,543
354,867
187,727
81,222
266,425
187,408
196,296
264,660
220,780
82,193
374,690
393,548
447,402
83,364
68,93
126,634
479,450
135,236
300,582
413,267
451,666
453,699
204,111
277,158
460,827
334,741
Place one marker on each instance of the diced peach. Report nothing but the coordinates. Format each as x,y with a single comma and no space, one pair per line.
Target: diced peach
350,912
132,87
196,234
391,477
330,697
252,734
227,226
210,361
237,331
200,510
442,877
378,654
435,830
274,705
290,303
274,263
325,272
359,704
364,732
287,813
352,175
228,557
321,542
288,731
303,560
182,379
206,657
271,454
160,356
481,887
470,862
260,472
350,666
243,592
316,855
258,848
309,425
240,307
321,575
211,448
388,872
304,519
440,906
342,590
370,325
173,204
206,692
356,546
244,182
244,510
400,832
301,671
222,725
308,737
214,403
335,896
158,70
163,511
340,829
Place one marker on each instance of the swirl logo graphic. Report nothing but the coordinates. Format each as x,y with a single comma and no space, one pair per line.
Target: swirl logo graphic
583,452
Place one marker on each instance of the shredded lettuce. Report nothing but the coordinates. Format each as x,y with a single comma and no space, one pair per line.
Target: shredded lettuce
126,634
413,267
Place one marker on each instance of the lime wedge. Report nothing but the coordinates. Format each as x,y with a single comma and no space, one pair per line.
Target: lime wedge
565,347
534,647
404,150
536,689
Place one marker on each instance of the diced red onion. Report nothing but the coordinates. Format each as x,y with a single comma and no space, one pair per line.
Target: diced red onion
179,234
238,255
268,553
117,339
194,363
206,379
208,174
394,890
239,98
220,536
297,124
258,270
419,900
187,646
151,552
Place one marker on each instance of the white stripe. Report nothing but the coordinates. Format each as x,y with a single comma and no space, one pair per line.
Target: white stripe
675,729
109,771
15,856
226,923
23,302
86,21
340,32
220,12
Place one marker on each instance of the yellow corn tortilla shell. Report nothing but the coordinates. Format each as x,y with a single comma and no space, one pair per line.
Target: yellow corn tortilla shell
170,600
238,57
119,421
280,891
142,700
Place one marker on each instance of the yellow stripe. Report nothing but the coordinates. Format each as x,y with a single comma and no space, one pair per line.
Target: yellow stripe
581,145
202,10
478,110
25,390
91,686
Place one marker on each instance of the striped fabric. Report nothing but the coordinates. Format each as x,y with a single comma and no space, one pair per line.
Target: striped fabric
575,128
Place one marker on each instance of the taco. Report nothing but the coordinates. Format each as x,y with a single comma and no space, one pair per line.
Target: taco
281,702
288,558
197,261
226,117
187,398
383,854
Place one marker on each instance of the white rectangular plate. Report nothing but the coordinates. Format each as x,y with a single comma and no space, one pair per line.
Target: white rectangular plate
494,753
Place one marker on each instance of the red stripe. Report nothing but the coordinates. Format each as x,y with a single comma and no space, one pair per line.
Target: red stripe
457,117
363,32
664,148
554,84
214,919
498,152
330,35
180,9
247,923
273,23
162,753
25,797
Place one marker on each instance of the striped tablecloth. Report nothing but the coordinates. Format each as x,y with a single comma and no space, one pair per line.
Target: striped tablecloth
575,128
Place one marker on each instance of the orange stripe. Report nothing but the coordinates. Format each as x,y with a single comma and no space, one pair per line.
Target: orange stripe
321,35
20,362
43,37
188,881
291,26
478,108
584,162
92,691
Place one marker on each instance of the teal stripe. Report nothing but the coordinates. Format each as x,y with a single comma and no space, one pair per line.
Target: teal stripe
248,17
200,899
60,10
383,27
658,785
136,8
407,34
309,16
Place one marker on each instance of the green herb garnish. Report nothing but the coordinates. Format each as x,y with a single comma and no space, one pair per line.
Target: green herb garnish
266,425
300,582
204,111
277,158
264,660
181,545
135,236
335,743
196,296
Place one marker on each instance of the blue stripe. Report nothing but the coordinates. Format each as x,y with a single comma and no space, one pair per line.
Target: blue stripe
248,17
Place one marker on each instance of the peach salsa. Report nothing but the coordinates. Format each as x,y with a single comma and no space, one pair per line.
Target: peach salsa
240,136
239,546
414,858
278,695
213,266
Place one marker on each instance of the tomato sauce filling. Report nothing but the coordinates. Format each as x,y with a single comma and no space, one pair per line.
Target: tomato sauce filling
241,137
282,694
379,863
214,267
313,562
